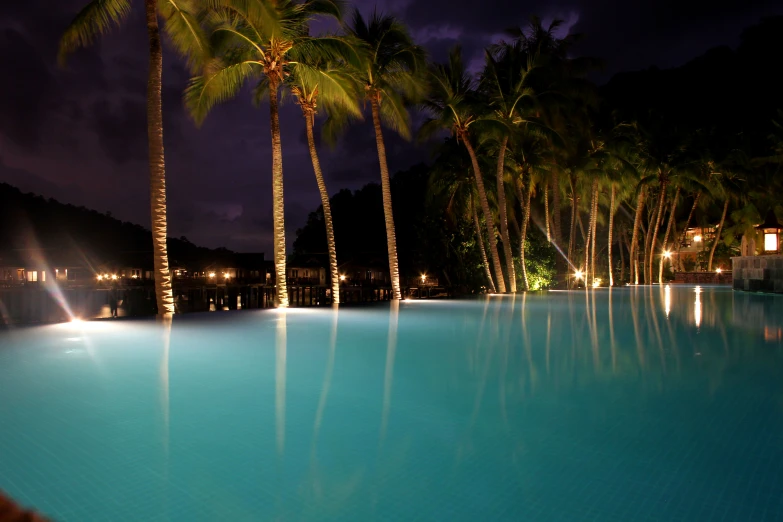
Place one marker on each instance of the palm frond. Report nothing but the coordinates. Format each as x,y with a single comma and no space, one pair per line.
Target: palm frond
97,18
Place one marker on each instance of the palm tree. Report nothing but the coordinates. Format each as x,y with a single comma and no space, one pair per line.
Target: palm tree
265,42
452,106
392,74
182,25
505,83
452,177
331,86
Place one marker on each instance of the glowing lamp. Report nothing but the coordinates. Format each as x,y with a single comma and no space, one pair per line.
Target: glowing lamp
718,270
134,276
100,277
771,229
423,277
596,283
114,276
667,254
212,274
697,239
578,274
342,278
225,274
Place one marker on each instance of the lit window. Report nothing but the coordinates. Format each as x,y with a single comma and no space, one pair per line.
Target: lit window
770,242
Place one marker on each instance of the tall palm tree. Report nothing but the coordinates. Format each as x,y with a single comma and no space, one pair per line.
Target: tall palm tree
331,86
182,26
392,72
266,42
452,105
505,82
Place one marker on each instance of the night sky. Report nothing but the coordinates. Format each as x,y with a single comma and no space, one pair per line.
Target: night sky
79,134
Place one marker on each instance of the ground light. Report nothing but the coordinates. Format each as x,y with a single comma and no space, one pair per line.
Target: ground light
578,274
667,254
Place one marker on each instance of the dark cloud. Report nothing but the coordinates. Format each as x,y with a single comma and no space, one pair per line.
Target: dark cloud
122,128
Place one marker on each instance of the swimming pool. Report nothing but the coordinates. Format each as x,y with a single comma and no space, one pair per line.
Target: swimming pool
635,404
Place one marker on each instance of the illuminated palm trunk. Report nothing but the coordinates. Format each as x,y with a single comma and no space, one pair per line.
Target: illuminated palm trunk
717,234
654,232
666,235
685,228
493,246
278,215
391,238
525,202
546,212
163,293
502,215
609,241
319,178
480,241
633,252
594,231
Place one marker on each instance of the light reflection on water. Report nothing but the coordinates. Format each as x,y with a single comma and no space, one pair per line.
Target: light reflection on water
554,406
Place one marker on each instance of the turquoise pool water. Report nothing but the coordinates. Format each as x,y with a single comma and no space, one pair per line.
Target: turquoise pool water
640,404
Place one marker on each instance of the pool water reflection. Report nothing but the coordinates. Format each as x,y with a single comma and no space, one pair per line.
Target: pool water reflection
630,404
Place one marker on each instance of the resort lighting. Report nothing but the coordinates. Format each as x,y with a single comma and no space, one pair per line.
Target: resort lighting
423,277
134,276
225,274
114,276
667,299
719,270
667,254
697,239
578,274
342,277
212,274
100,277
771,229
596,283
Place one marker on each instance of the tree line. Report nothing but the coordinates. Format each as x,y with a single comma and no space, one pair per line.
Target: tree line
531,116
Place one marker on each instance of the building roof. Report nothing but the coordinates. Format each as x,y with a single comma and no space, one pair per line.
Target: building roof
771,221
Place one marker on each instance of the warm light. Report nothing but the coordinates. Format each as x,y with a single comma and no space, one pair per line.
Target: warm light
212,274
134,276
697,308
76,320
719,270
667,300
226,275
697,239
100,277
667,254
342,278
423,277
114,276
770,242
578,274
596,283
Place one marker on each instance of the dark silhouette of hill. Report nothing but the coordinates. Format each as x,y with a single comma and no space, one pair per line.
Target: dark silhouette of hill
30,221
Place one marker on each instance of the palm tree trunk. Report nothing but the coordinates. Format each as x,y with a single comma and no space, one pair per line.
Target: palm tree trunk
572,232
546,212
391,238
594,231
623,235
557,229
493,247
609,241
523,235
480,241
654,231
717,234
278,214
502,214
666,235
685,229
163,293
319,178
633,254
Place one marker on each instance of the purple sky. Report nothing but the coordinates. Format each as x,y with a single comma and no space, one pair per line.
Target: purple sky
79,135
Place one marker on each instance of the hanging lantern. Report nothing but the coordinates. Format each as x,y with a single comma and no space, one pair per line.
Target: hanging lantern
771,229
